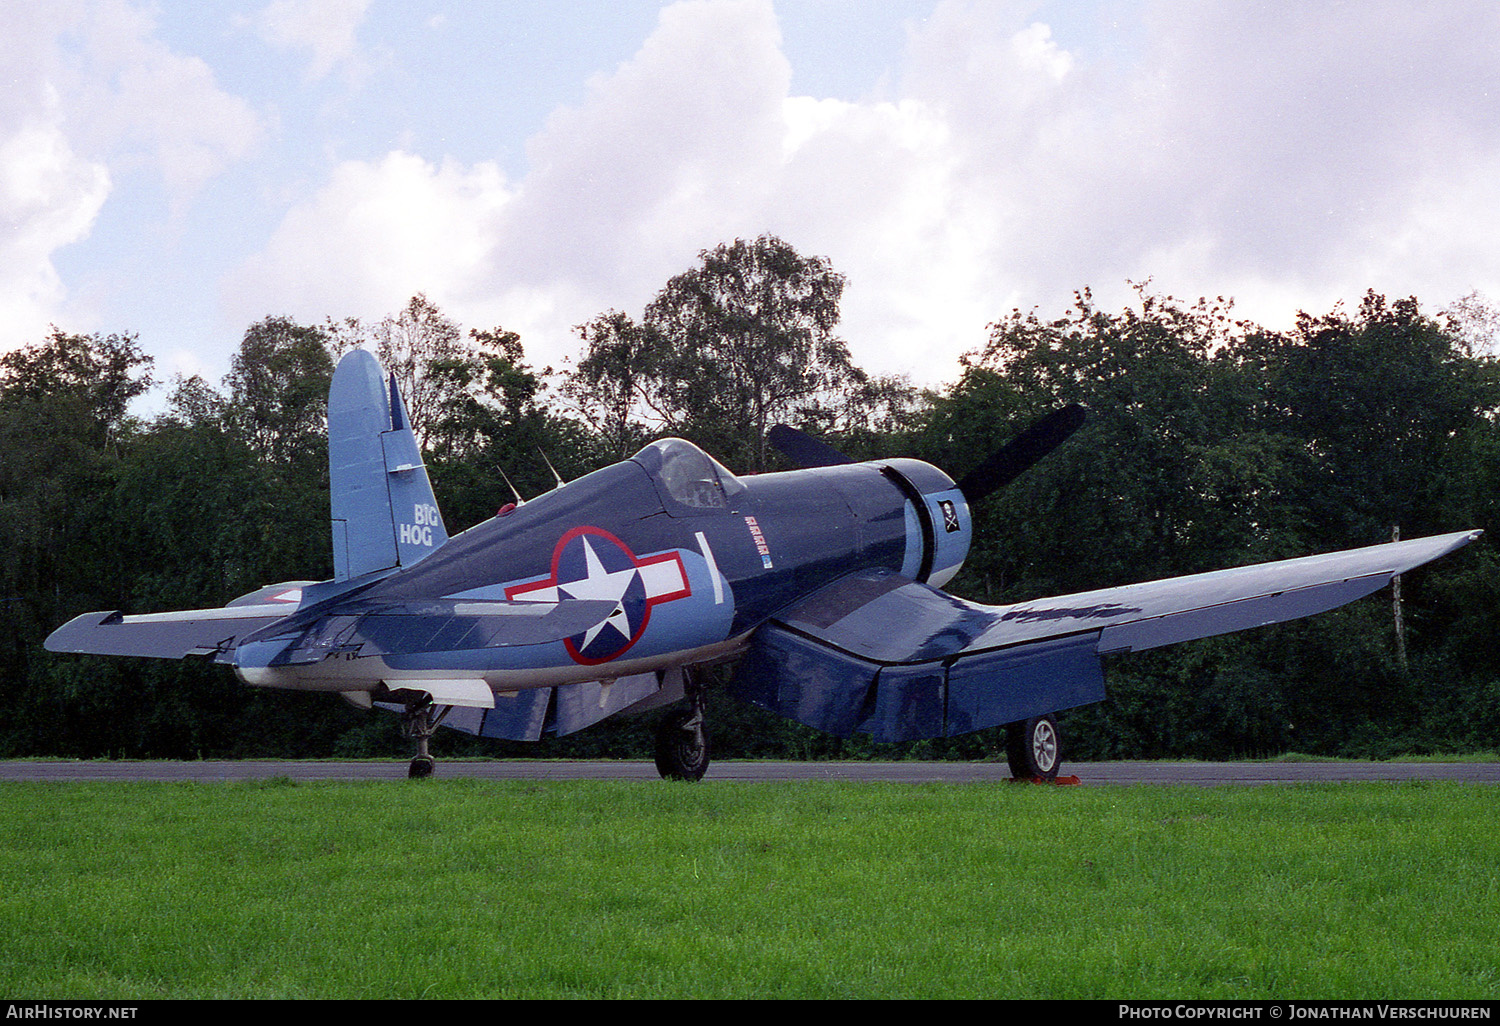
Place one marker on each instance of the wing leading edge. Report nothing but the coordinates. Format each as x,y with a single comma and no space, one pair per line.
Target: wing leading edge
881,654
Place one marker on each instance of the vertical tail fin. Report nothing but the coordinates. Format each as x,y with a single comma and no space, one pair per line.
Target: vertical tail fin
384,512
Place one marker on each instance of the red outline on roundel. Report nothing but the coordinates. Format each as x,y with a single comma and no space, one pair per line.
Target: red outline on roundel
670,556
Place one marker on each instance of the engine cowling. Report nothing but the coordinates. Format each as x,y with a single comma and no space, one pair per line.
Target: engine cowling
938,510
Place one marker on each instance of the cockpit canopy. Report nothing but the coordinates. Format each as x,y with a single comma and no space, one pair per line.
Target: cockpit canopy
689,480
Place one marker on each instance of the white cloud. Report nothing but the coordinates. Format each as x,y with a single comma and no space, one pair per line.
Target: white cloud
95,106
49,194
326,30
136,101
49,198
666,155
371,238
693,142
666,151
1287,155
1284,155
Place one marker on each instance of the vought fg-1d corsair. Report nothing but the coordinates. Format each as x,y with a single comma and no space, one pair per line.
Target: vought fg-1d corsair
606,594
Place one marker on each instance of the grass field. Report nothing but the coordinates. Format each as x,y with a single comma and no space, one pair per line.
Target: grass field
466,889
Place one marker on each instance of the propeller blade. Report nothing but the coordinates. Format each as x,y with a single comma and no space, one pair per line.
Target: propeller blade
803,449
1022,452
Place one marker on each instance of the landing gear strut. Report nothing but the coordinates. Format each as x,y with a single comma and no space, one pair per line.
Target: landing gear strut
418,722
681,741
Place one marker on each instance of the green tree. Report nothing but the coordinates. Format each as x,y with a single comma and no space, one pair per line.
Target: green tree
1213,443
415,344
1378,401
63,411
621,384
278,389
1125,485
727,349
63,423
94,376
495,429
751,335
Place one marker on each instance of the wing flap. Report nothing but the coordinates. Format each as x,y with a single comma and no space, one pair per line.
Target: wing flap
805,679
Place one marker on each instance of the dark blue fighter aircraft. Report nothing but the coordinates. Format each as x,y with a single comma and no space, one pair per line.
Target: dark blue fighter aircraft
606,594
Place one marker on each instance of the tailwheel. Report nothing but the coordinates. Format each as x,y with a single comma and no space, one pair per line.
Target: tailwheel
1033,748
418,722
421,766
681,740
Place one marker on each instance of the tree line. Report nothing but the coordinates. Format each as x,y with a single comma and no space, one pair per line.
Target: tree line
1212,442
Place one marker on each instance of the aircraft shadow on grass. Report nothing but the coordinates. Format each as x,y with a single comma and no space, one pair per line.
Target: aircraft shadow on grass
605,595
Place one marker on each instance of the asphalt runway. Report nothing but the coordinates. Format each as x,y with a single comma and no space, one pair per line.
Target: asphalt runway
1205,774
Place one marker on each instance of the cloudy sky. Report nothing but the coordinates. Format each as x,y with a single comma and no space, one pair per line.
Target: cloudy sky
181,169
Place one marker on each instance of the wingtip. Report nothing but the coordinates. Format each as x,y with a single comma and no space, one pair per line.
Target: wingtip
65,638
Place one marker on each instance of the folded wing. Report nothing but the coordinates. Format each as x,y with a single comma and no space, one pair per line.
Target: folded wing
190,632
426,625
440,625
881,654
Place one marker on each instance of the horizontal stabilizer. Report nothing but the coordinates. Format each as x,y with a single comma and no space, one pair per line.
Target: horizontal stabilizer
878,653
192,632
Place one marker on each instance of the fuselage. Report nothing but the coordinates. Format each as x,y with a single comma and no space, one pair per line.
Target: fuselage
687,558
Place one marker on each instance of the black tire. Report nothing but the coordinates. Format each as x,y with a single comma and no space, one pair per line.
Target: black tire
421,766
681,751
1034,748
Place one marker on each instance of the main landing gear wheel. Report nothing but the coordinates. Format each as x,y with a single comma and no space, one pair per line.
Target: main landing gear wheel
682,742
1033,748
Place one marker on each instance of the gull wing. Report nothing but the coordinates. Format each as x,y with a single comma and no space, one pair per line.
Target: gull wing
879,653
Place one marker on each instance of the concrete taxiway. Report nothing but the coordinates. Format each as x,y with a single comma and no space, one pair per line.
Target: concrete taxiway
1088,773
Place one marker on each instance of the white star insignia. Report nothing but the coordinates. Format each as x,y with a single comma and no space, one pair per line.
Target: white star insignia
602,584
